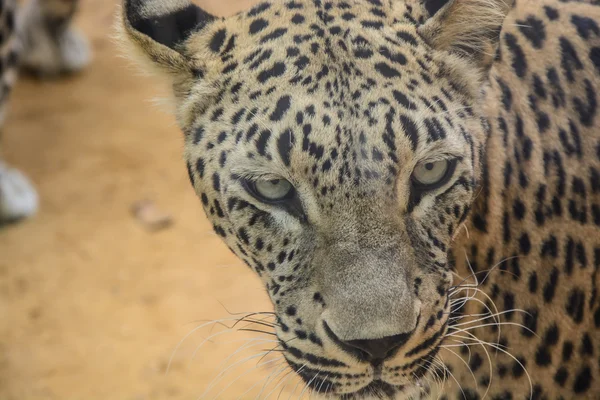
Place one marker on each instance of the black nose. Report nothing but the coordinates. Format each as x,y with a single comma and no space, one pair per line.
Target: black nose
380,349
371,350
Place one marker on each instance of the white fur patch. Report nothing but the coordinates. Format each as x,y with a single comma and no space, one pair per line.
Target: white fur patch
74,50
49,56
152,8
18,198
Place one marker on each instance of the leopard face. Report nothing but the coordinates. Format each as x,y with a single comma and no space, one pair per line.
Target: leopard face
336,148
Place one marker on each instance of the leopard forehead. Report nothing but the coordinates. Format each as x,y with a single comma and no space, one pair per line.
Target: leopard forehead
325,94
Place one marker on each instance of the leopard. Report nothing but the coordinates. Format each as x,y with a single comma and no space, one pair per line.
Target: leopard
415,182
37,37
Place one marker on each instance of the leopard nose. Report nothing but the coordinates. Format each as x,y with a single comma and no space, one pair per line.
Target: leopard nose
371,350
380,349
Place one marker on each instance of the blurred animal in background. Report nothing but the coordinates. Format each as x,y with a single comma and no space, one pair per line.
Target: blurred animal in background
36,36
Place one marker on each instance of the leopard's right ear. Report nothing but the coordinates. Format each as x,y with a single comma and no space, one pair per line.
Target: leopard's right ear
467,28
158,30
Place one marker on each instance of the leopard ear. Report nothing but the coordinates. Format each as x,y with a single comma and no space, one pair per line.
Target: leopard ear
468,28
158,29
433,6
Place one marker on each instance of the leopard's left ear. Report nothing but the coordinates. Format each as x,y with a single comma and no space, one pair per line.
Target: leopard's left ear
468,28
158,30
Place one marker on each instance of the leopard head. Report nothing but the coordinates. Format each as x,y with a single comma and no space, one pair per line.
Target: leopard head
336,147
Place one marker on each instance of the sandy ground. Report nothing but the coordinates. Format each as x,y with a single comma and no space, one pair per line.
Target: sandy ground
92,306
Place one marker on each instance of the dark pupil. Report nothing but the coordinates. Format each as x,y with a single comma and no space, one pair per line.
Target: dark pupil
429,166
275,182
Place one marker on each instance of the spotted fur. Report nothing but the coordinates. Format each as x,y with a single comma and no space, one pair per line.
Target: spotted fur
343,99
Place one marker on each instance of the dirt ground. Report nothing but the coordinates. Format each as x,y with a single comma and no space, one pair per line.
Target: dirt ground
92,306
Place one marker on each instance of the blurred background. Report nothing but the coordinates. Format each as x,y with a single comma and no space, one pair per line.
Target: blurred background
92,304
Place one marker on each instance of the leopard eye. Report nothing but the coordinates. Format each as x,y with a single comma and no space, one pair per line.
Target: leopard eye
271,190
433,174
